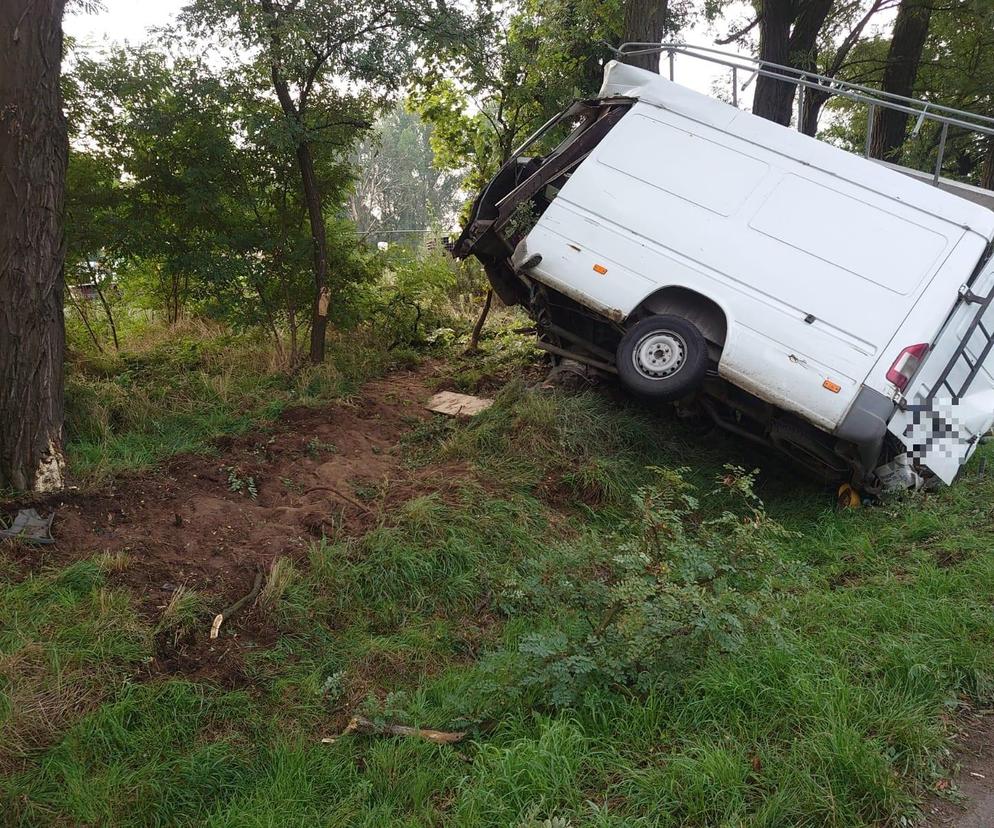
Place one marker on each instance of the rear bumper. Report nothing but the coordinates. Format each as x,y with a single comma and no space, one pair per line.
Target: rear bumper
865,426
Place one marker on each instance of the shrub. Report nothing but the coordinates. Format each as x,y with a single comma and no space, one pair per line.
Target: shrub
411,300
671,584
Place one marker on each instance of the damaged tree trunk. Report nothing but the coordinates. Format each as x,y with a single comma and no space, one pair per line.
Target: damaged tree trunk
33,155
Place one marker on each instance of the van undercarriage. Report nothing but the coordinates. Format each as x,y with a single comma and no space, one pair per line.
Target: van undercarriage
569,331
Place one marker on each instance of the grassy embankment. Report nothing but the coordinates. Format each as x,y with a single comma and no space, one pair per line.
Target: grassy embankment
566,605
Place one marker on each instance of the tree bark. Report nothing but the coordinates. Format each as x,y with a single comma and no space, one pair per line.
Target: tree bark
646,21
474,340
33,154
788,35
903,58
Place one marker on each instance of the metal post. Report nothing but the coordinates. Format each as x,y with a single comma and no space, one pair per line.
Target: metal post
942,153
871,117
670,54
735,86
800,107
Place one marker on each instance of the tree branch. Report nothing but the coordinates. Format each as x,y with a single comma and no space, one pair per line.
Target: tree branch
724,41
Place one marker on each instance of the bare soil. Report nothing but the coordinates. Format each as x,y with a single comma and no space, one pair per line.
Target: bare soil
967,801
210,523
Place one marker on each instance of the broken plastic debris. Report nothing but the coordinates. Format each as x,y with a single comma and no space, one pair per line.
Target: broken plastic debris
30,527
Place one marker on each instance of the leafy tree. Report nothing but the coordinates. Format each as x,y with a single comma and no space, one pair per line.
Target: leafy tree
330,63
486,96
955,68
398,185
184,180
806,35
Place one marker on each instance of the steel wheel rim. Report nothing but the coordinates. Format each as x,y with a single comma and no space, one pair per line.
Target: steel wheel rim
659,355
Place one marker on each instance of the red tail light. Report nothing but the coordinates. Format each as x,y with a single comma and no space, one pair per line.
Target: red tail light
906,364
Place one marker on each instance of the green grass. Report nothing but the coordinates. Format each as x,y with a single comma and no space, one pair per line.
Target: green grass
836,715
174,390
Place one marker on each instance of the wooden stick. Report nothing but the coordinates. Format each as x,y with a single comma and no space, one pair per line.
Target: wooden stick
364,726
236,607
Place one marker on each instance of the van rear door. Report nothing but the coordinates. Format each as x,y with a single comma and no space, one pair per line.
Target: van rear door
950,401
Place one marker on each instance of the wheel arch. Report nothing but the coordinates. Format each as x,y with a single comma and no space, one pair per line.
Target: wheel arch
709,317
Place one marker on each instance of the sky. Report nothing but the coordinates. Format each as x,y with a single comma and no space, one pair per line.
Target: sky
121,20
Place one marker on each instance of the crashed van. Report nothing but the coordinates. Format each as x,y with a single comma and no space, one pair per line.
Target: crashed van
799,295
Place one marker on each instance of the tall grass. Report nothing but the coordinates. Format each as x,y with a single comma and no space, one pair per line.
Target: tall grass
172,389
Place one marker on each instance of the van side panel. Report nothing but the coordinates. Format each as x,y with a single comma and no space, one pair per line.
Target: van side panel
813,291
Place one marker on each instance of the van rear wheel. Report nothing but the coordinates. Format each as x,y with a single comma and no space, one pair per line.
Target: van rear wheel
663,357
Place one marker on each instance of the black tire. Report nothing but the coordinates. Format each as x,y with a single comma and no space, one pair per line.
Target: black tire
674,370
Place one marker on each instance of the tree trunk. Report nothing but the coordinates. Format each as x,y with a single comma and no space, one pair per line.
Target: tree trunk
646,21
309,183
903,58
788,35
474,340
33,153
774,99
319,238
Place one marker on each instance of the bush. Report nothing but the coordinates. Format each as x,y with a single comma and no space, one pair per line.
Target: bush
412,299
671,584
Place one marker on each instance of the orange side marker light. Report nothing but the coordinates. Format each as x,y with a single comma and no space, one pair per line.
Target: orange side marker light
834,387
600,269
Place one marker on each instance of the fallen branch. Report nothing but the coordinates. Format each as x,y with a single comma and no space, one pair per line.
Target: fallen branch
237,607
366,727
344,497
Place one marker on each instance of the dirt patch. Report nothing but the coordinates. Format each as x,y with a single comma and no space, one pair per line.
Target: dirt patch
970,804
208,523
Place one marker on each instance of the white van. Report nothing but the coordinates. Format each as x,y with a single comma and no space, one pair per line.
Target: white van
799,295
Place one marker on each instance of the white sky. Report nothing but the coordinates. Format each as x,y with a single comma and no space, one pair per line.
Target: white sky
121,20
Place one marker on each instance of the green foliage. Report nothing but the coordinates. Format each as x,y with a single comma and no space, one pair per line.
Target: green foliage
646,605
181,184
484,95
411,301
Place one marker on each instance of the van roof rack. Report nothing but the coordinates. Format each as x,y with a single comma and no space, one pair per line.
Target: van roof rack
874,99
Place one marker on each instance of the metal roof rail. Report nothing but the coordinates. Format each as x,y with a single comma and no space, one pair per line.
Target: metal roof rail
922,110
